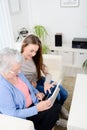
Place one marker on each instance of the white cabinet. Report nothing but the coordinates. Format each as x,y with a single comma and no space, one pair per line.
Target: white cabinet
67,57
79,58
71,56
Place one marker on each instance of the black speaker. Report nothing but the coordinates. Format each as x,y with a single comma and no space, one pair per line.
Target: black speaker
58,39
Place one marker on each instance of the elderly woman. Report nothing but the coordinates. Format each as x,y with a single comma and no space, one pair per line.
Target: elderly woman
19,98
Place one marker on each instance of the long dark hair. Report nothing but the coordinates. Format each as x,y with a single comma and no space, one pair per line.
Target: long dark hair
38,59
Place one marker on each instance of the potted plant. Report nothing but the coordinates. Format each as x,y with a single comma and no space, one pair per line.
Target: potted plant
45,49
41,32
84,65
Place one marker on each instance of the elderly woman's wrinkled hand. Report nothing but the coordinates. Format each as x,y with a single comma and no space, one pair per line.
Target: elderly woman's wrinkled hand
40,96
43,105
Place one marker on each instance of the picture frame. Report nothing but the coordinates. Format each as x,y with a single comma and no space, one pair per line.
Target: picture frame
69,3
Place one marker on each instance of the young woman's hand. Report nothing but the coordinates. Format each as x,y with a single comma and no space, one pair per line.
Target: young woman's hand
40,96
43,105
47,86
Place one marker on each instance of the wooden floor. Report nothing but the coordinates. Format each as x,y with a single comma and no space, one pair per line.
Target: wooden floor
68,83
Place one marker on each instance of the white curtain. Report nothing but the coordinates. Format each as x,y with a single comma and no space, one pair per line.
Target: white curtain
6,32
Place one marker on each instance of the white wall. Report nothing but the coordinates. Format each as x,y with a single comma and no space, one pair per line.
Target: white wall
71,21
21,18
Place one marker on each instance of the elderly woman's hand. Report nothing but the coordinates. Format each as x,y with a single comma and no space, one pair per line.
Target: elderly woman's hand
34,83
43,105
40,96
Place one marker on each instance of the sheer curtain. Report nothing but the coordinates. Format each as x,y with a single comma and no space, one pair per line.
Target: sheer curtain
6,32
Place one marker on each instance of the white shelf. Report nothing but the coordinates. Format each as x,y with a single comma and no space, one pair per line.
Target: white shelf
64,48
73,57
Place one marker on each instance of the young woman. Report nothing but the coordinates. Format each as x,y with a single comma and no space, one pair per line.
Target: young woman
33,66
19,98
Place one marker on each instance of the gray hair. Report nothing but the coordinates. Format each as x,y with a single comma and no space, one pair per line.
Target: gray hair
9,57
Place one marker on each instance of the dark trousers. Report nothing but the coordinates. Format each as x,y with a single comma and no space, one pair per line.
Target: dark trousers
46,120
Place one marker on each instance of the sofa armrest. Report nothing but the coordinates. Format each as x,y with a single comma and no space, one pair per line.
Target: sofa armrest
55,66
14,123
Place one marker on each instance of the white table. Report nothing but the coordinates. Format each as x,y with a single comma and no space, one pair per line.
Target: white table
78,111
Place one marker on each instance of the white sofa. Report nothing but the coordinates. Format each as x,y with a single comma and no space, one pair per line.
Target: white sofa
14,123
54,65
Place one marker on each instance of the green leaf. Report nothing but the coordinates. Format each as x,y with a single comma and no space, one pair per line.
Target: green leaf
41,32
84,65
45,49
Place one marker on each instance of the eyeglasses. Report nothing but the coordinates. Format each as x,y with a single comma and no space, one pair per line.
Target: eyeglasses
12,72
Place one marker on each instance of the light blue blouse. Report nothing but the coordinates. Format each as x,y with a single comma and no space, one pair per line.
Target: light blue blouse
12,100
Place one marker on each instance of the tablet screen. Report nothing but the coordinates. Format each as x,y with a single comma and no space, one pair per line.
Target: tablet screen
55,93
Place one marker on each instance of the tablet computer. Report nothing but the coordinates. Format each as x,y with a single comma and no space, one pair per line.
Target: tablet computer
52,98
